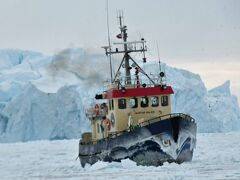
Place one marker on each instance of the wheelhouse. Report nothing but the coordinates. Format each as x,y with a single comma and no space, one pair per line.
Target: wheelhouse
126,108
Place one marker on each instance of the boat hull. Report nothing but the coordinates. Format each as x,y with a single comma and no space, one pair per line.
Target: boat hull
170,140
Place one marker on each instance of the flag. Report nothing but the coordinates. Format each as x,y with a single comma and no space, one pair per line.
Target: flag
119,36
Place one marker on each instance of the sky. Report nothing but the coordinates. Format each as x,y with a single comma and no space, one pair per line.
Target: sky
201,36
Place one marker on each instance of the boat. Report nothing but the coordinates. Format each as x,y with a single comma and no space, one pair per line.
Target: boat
131,118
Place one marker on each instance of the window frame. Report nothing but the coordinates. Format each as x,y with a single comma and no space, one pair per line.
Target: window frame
164,102
123,105
147,102
157,98
136,102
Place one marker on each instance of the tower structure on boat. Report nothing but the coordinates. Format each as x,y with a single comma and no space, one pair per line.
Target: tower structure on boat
133,118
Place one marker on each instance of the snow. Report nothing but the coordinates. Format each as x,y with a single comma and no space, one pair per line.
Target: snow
42,97
215,157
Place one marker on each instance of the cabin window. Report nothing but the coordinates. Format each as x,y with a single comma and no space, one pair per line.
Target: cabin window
98,129
133,103
144,102
112,104
154,101
102,128
109,105
122,103
164,100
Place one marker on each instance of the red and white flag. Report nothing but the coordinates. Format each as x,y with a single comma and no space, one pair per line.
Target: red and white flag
119,36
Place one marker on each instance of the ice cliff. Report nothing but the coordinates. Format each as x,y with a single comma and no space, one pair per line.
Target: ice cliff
224,107
43,97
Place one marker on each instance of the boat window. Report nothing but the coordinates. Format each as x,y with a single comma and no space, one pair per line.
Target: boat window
154,101
133,103
121,103
104,108
144,102
164,100
112,104
98,129
102,128
109,105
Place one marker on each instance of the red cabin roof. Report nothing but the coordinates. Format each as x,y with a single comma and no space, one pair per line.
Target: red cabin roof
133,92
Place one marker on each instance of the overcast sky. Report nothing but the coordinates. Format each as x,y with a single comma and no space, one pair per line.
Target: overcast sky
188,32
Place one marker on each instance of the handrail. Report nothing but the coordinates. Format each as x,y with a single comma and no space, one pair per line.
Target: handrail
150,121
134,80
142,124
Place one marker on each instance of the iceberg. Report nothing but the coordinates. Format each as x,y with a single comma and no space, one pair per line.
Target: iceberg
43,97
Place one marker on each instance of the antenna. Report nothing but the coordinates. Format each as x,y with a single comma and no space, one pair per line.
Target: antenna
109,43
161,74
127,48
159,62
120,18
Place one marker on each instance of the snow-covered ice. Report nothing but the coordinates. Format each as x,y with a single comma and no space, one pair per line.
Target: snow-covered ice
216,157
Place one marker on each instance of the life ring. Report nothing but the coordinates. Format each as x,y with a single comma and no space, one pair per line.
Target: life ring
96,109
108,123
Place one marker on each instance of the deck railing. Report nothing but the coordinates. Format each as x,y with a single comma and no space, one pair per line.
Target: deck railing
167,116
142,81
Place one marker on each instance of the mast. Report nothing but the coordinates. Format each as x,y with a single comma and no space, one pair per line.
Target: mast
123,30
128,47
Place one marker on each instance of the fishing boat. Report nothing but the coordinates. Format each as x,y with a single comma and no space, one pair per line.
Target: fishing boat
132,117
